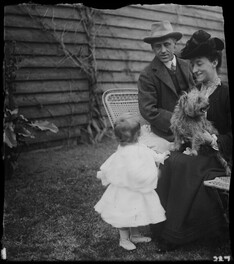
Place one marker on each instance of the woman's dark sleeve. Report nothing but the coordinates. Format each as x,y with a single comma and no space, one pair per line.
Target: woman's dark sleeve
225,140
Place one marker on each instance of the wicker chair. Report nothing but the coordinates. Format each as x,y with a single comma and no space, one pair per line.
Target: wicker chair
119,101
221,187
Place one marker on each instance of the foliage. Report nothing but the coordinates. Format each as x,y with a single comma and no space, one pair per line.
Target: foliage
16,131
16,128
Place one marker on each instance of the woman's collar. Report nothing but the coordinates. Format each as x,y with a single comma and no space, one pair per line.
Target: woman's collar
209,87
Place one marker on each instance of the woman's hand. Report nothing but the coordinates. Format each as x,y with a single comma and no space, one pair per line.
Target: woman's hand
211,140
208,137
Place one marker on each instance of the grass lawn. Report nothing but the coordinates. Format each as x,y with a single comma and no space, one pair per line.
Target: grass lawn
49,212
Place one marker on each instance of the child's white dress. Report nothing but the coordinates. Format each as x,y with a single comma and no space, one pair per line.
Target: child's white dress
130,199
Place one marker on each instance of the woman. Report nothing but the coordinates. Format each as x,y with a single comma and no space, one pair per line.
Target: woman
191,209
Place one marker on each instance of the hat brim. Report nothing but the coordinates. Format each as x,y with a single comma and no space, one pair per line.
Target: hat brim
202,50
176,35
197,52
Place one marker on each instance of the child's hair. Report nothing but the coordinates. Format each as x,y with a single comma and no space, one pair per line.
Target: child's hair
127,129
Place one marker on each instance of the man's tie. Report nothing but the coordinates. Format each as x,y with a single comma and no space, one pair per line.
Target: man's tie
173,68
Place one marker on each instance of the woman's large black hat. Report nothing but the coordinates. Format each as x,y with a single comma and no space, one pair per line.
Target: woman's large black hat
201,44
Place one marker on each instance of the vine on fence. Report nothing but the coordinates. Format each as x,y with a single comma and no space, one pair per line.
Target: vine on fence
96,120
97,126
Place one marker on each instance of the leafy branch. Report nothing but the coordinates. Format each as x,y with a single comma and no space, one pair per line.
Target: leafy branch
16,128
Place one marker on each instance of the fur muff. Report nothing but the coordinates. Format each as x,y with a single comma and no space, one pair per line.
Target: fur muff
189,123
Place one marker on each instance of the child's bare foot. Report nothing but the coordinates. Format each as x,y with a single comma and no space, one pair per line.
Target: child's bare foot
127,244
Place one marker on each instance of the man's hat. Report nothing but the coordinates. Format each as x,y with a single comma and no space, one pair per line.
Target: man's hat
201,44
161,30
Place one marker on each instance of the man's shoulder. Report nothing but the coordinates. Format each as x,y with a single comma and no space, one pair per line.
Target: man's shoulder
151,66
182,61
147,70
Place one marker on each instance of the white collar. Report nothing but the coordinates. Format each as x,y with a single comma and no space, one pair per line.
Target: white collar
168,64
210,87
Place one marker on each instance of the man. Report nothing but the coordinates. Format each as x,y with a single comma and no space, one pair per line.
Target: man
162,81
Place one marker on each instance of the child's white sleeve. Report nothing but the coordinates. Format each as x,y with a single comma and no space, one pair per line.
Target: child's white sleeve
160,157
105,171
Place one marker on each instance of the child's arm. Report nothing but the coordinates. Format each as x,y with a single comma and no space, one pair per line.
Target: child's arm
105,171
160,157
103,178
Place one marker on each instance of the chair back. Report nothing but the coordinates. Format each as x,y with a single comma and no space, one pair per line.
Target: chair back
119,101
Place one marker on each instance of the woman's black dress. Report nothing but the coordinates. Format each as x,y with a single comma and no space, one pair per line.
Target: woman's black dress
191,208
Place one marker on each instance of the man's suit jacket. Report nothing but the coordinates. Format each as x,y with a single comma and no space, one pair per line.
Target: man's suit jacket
158,97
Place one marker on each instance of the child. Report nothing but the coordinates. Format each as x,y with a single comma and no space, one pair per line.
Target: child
130,199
